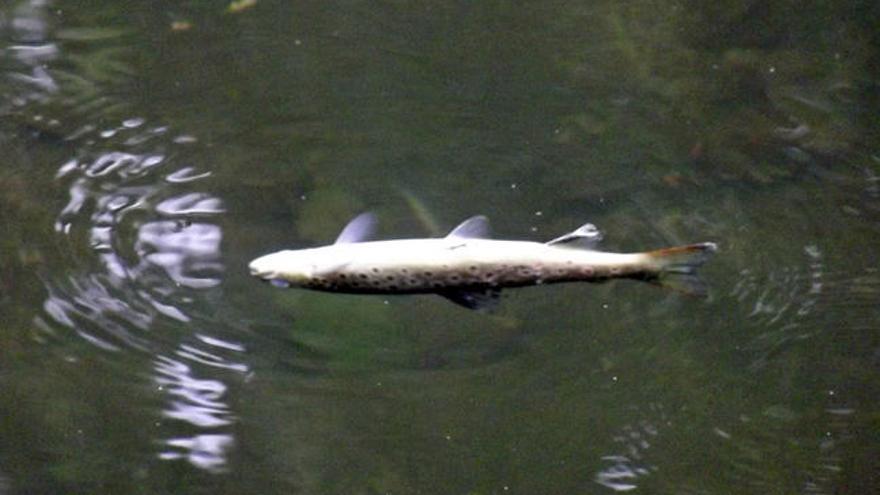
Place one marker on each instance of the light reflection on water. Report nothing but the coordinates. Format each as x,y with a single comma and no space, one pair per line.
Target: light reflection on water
626,466
782,302
198,402
153,234
175,247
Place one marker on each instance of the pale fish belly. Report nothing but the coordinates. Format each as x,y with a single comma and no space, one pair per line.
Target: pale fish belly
434,267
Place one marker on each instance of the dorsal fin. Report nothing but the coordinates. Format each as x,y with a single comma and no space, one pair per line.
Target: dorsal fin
359,229
476,227
587,236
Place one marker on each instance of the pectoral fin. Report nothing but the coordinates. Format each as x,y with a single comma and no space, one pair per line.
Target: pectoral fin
479,299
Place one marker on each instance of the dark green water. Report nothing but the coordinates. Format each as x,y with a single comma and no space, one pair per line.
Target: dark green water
150,150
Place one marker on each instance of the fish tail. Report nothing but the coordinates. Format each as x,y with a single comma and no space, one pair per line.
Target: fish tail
676,267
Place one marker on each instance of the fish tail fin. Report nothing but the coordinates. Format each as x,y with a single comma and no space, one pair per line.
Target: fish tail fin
676,267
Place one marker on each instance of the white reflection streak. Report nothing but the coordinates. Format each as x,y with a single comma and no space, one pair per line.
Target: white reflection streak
629,465
199,402
88,308
203,406
616,476
189,204
204,451
185,252
204,357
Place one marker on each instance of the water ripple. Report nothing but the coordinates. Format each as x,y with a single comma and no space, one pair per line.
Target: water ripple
155,241
629,463
138,229
782,302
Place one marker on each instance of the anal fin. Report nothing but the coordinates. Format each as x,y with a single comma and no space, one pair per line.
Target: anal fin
477,299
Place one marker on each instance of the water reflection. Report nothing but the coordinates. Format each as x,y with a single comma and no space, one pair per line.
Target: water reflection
198,402
188,253
625,466
93,306
781,302
154,242
140,235
743,444
203,451
28,54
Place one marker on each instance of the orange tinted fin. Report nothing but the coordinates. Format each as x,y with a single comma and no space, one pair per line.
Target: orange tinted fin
677,266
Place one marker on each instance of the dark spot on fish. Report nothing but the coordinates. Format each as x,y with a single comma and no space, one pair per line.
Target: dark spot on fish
428,274
342,276
405,270
436,284
455,278
376,283
473,268
615,270
412,281
375,270
363,276
489,274
392,287
587,271
389,278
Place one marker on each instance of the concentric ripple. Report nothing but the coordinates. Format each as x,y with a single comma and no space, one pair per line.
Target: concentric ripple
138,232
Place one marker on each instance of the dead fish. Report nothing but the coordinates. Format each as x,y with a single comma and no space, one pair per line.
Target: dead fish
469,268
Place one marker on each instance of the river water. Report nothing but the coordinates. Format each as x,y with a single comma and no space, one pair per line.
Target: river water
150,150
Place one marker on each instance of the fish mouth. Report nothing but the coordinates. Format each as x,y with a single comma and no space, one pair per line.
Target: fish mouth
268,276
261,273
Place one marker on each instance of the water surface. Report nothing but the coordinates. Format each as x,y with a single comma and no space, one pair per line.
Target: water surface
149,152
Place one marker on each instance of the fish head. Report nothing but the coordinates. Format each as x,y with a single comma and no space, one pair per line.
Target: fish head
285,268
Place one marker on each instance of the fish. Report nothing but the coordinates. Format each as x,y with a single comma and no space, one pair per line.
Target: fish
470,268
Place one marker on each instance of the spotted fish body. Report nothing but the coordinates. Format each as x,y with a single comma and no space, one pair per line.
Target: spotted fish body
465,266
